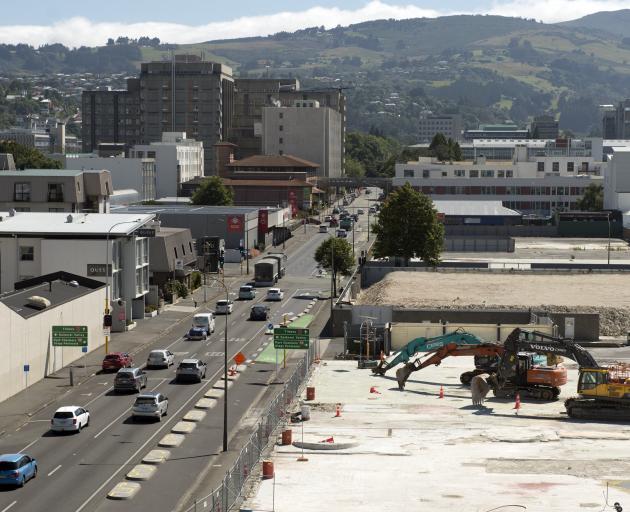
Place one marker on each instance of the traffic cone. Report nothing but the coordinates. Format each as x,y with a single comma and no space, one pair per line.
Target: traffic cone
338,411
517,402
374,390
328,440
245,470
441,392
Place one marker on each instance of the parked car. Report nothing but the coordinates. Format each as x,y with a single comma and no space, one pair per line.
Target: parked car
342,233
160,359
17,469
360,211
224,307
246,292
323,228
259,312
70,418
275,294
150,404
130,379
116,361
191,369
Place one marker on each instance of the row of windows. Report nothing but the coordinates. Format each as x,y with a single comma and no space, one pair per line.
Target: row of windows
461,173
501,191
190,247
22,192
555,167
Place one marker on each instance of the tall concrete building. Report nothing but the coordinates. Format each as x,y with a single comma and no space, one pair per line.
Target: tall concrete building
305,130
544,127
450,125
616,120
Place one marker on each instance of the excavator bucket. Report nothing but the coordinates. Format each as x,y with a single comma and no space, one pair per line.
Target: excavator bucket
402,374
479,389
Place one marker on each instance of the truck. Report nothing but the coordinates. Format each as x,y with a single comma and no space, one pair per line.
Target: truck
266,272
282,262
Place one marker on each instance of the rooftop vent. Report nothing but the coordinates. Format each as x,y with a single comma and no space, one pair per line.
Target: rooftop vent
37,302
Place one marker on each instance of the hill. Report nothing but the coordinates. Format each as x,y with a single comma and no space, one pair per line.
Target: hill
614,22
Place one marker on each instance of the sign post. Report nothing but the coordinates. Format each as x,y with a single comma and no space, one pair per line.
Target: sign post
69,335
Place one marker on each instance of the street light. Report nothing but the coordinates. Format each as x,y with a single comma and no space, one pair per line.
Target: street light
608,218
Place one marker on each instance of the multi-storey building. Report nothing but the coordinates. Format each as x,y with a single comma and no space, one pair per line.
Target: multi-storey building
450,125
496,131
544,127
616,120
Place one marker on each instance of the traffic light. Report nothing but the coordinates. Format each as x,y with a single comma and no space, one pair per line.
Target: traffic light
107,320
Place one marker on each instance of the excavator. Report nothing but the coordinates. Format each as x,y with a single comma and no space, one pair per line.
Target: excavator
458,337
541,382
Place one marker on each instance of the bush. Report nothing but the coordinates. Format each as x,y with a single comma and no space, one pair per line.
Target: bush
195,280
177,287
150,308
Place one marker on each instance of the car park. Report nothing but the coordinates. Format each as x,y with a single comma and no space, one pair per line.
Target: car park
224,307
323,228
150,404
160,359
130,379
116,360
259,312
275,294
246,292
342,233
191,369
17,469
70,418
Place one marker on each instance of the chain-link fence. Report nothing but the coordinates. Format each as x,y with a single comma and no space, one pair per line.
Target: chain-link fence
229,492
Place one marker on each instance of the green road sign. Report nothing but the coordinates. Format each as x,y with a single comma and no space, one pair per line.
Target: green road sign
69,335
291,338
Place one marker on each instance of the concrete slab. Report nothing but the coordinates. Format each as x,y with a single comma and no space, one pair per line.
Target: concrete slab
183,427
241,368
220,384
171,440
141,472
156,457
194,416
206,403
214,393
124,491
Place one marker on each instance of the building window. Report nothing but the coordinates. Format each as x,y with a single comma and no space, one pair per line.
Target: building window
22,209
444,174
474,173
190,246
280,140
509,174
281,152
500,174
175,249
150,154
281,128
55,192
27,253
183,250
139,154
460,173
541,166
408,173
426,173
22,192
584,166
280,115
56,210
570,166
487,173
555,166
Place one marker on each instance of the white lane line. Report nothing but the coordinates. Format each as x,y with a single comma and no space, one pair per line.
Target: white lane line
125,411
37,421
54,470
99,395
28,446
193,356
8,507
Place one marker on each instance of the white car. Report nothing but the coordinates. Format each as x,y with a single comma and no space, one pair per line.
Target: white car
70,418
275,294
160,359
150,404
224,307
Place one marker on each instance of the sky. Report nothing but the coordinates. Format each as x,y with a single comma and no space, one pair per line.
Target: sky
92,22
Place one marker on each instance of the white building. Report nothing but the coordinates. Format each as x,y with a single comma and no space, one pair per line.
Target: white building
139,174
177,160
307,131
34,244
531,184
617,180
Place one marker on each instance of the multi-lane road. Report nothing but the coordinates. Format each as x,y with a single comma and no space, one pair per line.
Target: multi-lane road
77,471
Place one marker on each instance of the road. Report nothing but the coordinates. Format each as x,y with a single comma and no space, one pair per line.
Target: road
77,471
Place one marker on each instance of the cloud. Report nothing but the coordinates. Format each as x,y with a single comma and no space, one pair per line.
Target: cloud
80,31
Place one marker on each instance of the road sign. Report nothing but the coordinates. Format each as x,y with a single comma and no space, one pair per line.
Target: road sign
84,349
239,358
269,326
27,368
69,335
291,338
106,331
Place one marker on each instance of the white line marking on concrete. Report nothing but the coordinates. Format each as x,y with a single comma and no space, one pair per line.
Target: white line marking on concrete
8,507
99,395
54,470
87,394
28,446
36,421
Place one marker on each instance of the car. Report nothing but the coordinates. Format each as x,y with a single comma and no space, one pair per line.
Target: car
259,312
17,469
327,218
323,228
355,217
333,223
246,292
342,233
205,321
70,418
130,379
335,211
368,191
372,209
191,369
150,404
224,307
197,333
160,359
360,211
116,360
275,294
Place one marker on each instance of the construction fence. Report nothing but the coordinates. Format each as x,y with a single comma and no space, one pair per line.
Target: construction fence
230,492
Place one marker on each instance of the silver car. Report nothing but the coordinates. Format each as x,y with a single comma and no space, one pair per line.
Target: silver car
150,405
160,359
191,369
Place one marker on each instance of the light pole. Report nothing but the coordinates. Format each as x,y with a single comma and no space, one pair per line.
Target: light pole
108,258
608,218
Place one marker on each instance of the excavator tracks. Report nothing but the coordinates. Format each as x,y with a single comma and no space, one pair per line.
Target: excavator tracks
597,409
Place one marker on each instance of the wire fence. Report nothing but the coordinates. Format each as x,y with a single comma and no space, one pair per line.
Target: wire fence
229,493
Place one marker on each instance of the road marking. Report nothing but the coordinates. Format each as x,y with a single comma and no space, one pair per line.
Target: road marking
193,356
8,507
87,394
36,421
28,446
99,395
54,470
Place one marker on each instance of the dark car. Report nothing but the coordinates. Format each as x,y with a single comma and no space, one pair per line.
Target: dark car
333,223
259,312
117,360
130,379
197,333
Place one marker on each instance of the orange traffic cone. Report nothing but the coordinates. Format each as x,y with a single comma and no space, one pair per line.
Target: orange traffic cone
374,390
338,411
441,392
517,402
328,440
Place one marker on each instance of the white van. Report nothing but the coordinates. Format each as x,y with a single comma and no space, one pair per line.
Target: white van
205,321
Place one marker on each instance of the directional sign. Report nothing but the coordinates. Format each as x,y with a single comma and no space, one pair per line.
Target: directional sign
145,232
69,335
291,338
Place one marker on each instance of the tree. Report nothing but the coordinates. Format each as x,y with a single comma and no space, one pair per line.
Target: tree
335,255
354,168
593,199
213,192
27,158
445,149
408,226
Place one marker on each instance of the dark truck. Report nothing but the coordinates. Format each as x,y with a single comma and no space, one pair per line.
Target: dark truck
346,224
282,262
266,272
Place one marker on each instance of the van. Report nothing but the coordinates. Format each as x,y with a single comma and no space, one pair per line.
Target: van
205,321
246,292
323,228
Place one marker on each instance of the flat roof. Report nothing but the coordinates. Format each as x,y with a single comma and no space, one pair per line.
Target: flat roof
45,172
186,209
53,223
474,208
